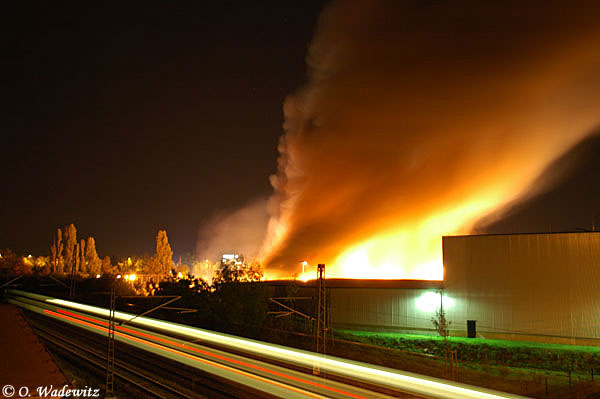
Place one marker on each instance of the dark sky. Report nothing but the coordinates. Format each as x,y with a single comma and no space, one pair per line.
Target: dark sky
130,118
571,203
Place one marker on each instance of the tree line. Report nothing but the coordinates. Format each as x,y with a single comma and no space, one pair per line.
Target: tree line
80,257
70,255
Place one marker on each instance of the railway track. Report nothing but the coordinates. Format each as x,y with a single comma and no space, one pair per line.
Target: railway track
144,371
246,367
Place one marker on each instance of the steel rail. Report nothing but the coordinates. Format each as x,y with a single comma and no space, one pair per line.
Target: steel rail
253,382
131,358
181,379
122,371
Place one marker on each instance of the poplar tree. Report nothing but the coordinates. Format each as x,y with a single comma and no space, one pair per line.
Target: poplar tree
70,244
76,257
83,263
162,261
53,255
57,252
94,263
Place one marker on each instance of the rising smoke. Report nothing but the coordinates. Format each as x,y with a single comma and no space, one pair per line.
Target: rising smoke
420,117
240,232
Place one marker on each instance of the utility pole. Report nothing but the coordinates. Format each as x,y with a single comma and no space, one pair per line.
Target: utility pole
110,356
321,331
110,353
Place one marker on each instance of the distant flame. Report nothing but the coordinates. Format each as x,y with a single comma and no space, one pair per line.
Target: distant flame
413,252
416,121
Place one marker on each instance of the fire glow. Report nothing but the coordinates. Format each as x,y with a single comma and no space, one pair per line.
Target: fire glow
418,121
408,253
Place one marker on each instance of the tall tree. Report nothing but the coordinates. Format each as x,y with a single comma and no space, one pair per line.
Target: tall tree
162,261
106,266
76,257
70,244
83,263
92,260
57,252
53,255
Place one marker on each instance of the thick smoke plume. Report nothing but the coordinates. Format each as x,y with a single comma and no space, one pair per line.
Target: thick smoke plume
420,117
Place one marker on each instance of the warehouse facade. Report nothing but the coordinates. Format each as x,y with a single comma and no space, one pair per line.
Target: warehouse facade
532,285
543,287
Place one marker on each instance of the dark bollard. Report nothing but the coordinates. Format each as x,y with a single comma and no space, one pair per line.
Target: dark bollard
471,329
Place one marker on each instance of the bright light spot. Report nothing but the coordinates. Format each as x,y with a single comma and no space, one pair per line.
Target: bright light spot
29,256
304,274
179,275
304,263
430,302
118,276
132,277
97,276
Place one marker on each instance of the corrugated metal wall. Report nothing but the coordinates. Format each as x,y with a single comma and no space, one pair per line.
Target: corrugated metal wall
534,284
389,309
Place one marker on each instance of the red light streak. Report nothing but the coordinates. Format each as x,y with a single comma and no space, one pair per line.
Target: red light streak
74,317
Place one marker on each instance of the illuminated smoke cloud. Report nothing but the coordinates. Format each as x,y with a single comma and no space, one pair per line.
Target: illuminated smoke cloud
420,117
239,232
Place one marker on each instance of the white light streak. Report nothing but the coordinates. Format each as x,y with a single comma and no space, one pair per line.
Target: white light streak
400,380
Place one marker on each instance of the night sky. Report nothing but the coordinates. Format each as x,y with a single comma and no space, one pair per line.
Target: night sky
568,202
125,120
130,118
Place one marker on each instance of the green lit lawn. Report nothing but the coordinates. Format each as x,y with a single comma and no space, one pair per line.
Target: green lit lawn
470,341
520,354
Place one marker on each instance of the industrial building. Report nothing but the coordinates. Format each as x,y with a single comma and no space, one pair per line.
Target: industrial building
543,287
